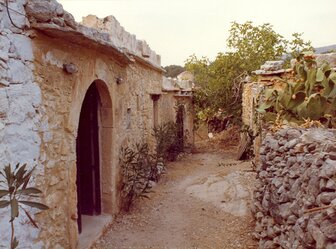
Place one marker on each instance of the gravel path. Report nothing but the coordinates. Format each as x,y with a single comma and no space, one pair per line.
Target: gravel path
202,202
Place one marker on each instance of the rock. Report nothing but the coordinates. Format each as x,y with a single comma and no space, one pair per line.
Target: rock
294,179
331,246
269,245
317,235
330,148
4,44
70,20
70,68
58,21
314,185
331,185
291,220
328,229
22,46
291,144
328,170
17,18
293,134
326,197
19,72
272,66
59,10
42,10
332,156
311,147
284,210
3,56
258,228
299,233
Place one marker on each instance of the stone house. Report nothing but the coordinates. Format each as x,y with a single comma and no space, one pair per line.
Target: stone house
72,93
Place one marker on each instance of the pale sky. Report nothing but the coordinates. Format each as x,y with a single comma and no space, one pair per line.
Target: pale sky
176,29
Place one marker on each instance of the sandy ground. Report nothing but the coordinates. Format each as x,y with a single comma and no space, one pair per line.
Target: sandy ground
201,202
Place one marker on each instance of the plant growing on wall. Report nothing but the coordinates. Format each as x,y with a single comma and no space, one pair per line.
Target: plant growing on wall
17,193
311,96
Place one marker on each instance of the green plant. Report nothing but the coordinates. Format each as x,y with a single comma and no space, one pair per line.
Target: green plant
136,168
311,96
16,192
139,166
169,143
220,80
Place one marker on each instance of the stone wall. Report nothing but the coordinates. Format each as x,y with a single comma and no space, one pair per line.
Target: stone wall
297,174
121,38
126,116
46,66
178,93
20,100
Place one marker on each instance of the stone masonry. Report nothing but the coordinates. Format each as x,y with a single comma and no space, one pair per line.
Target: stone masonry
20,101
294,201
47,64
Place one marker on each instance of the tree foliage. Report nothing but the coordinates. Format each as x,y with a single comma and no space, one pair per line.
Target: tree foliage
173,70
254,45
220,80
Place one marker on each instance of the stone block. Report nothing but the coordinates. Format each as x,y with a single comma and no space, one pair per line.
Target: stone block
23,47
19,72
42,10
18,19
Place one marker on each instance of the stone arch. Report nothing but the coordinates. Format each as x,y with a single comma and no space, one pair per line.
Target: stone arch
105,127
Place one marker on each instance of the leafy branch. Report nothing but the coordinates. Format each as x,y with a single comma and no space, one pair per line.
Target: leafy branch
17,193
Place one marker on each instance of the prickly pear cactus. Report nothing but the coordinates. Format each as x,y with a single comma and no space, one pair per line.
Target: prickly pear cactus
311,96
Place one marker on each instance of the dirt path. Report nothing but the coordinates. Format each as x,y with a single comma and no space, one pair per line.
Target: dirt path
202,202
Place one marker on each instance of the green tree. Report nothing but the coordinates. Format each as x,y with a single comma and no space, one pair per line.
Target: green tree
220,80
173,70
255,44
297,45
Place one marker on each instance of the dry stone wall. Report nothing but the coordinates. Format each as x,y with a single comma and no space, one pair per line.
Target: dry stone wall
297,174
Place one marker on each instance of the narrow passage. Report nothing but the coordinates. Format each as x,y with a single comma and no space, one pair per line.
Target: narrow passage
202,202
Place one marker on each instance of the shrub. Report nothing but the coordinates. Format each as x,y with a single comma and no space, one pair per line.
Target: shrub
136,167
169,143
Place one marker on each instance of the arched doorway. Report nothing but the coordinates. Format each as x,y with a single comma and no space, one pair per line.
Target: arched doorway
88,157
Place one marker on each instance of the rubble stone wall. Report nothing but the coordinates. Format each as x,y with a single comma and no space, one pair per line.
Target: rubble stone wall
294,201
126,117
121,38
168,104
20,101
47,63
